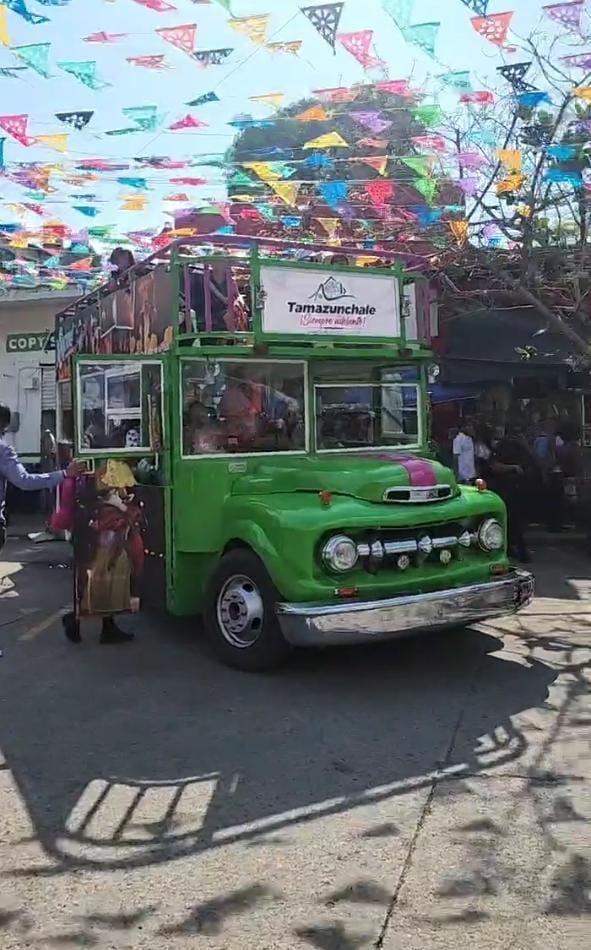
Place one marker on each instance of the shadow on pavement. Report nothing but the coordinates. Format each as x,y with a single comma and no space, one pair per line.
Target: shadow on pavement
135,756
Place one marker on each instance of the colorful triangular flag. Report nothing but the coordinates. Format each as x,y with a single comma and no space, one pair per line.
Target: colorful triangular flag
84,265
401,11
328,140
36,56
371,121
204,99
20,7
379,163
264,170
272,99
511,158
359,44
148,62
313,114
478,6
255,27
57,141
85,72
103,37
458,80
77,120
427,187
493,28
293,47
330,225
4,35
580,60
134,203
183,37
287,191
428,114
145,117
459,229
423,35
132,182
159,6
16,126
379,192
213,57
88,211
515,74
325,18
334,192
421,164
569,14
187,122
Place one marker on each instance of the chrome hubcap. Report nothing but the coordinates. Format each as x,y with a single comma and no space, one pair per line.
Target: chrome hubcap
240,611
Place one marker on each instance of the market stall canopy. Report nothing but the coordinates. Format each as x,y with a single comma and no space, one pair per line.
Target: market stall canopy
499,345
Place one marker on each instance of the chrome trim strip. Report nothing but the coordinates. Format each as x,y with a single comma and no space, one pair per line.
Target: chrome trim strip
400,547
439,543
367,621
418,496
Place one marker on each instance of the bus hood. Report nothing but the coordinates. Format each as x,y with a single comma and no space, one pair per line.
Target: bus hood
372,476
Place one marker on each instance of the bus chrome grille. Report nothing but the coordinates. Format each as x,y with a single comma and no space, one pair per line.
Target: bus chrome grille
407,495
403,550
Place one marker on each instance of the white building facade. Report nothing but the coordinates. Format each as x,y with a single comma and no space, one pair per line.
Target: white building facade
27,364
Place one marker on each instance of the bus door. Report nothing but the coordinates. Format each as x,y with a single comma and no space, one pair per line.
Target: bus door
120,517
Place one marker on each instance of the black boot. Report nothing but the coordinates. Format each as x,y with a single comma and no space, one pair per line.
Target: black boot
111,633
71,627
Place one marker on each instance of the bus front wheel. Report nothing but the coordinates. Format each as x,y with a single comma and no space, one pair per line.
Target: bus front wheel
240,619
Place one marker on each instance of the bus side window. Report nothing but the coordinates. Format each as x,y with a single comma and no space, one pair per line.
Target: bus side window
119,406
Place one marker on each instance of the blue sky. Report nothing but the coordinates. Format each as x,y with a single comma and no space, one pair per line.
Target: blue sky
251,71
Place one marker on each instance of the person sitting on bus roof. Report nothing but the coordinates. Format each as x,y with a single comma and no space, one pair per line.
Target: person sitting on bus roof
122,260
228,309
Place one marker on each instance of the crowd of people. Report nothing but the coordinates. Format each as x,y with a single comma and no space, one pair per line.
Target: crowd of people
531,474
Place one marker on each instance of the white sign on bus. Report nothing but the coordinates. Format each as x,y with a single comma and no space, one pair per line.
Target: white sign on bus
307,301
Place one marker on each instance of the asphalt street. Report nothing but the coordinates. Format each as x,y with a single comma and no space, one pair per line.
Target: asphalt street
421,795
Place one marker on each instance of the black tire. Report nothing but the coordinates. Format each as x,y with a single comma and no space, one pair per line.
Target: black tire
252,640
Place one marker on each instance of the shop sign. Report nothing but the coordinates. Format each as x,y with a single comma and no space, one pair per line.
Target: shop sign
307,302
30,342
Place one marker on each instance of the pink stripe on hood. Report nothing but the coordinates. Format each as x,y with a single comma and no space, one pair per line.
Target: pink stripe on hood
420,471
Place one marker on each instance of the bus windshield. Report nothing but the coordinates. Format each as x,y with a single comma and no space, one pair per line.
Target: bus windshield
364,406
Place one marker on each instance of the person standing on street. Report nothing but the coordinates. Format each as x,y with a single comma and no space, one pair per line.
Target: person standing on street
12,470
463,449
513,469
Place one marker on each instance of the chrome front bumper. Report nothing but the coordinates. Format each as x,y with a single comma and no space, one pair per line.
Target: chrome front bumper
367,621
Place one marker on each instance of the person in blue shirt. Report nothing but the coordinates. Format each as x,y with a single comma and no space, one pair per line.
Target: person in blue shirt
12,470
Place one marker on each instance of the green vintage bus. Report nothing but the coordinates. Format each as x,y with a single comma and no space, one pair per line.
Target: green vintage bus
254,417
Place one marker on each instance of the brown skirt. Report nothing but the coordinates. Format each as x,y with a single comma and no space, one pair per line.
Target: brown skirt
107,587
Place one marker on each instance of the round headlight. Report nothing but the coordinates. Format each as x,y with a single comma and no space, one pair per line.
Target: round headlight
491,536
340,554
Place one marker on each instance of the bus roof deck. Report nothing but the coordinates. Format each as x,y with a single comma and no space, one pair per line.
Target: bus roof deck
221,289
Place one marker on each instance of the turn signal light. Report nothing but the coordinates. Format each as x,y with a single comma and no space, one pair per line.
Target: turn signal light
498,569
347,591
325,498
480,484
